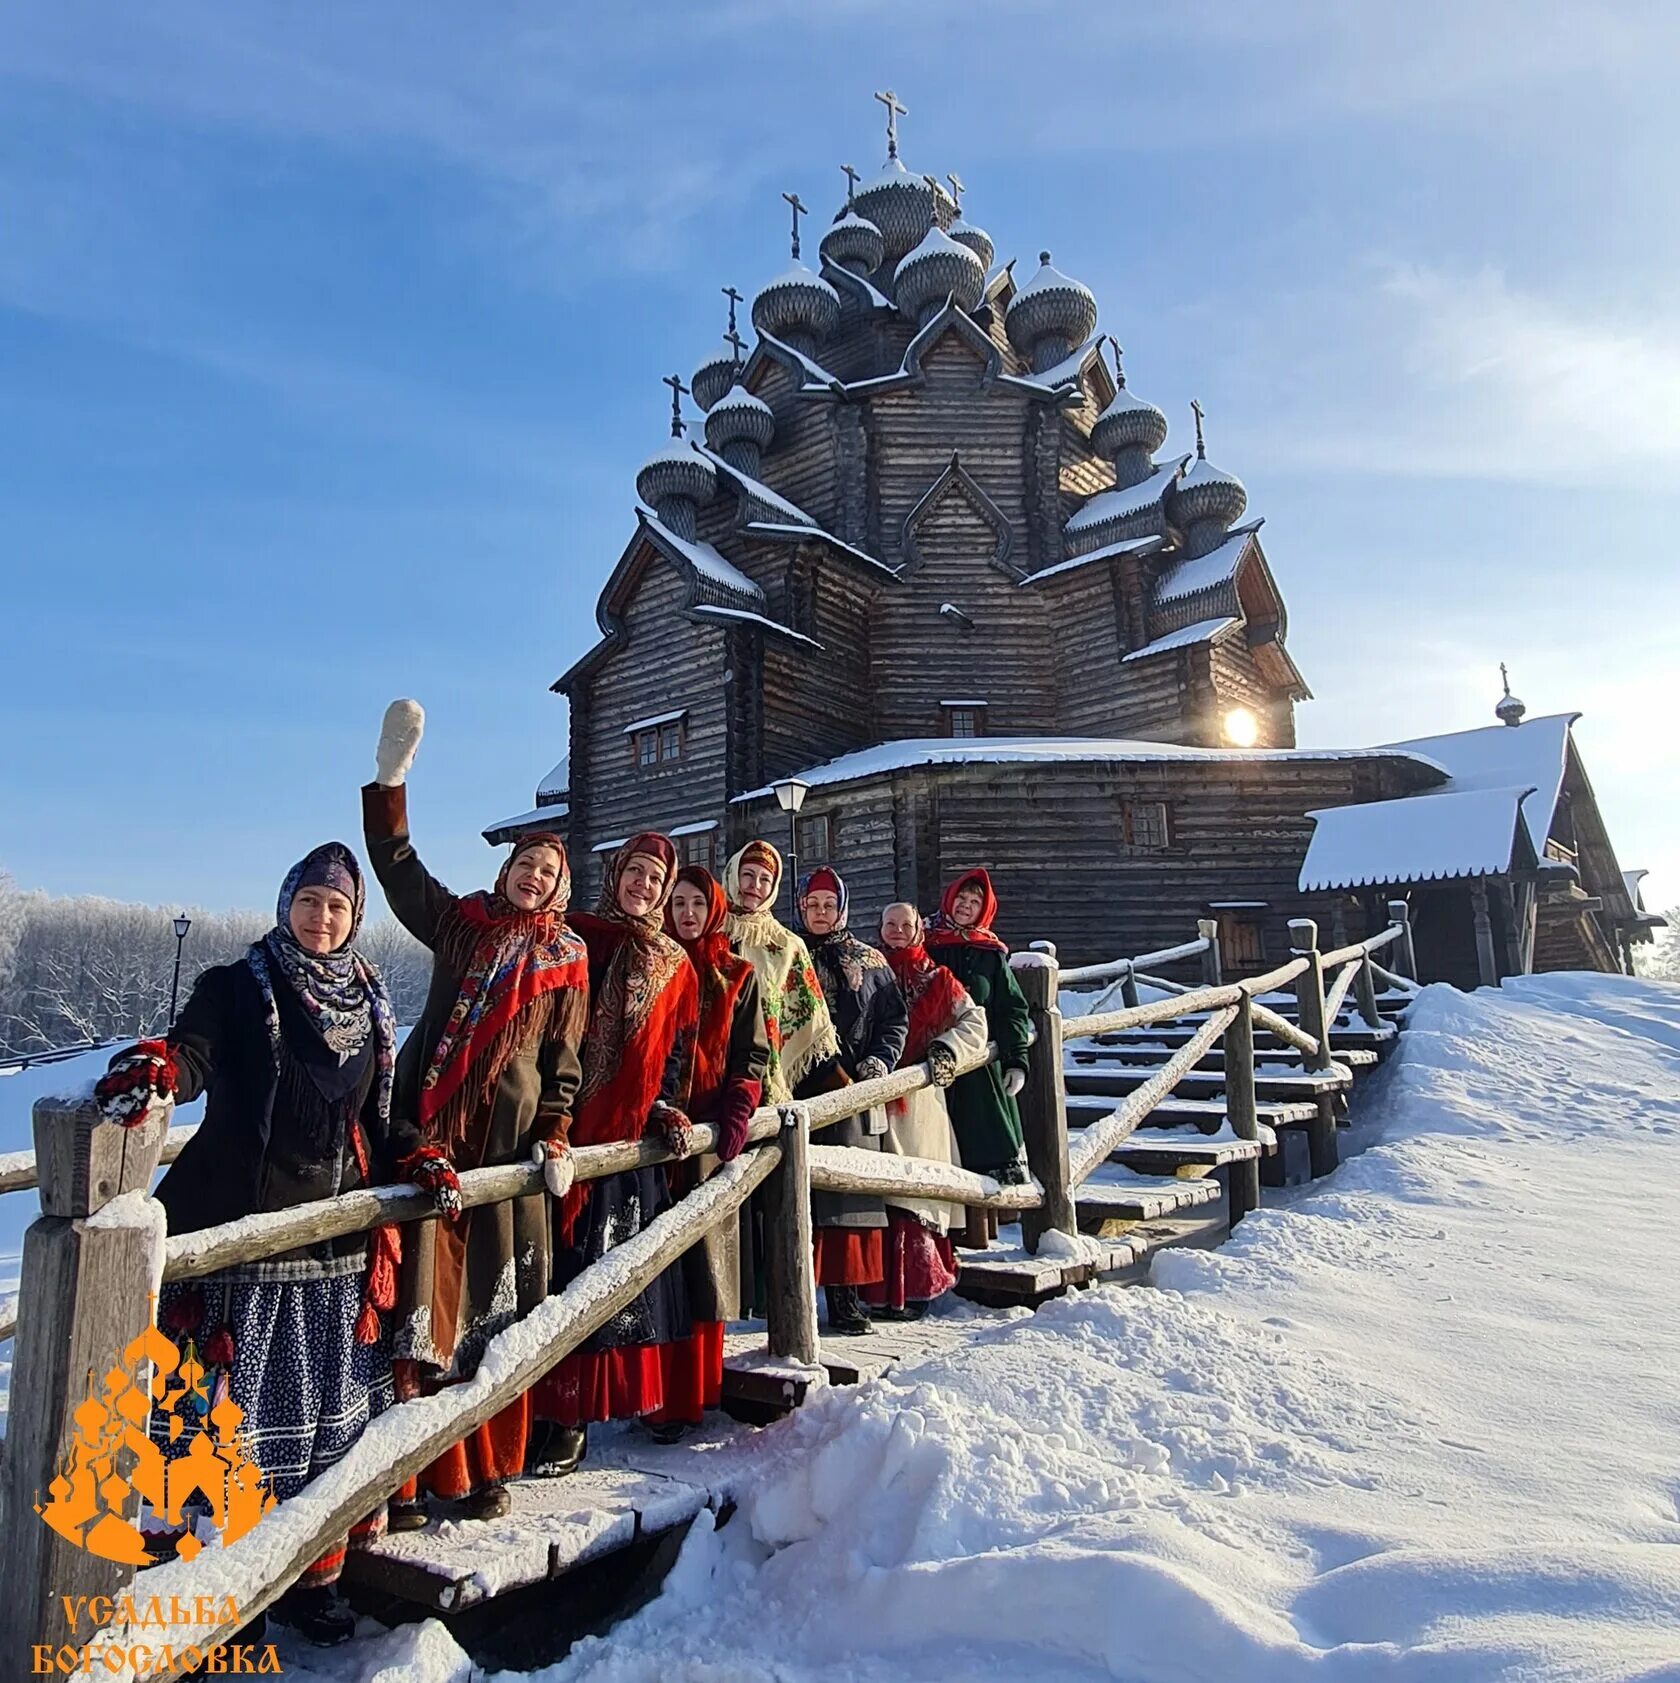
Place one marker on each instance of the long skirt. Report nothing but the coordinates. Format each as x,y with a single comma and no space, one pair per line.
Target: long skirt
305,1387
848,1256
920,1264
622,1370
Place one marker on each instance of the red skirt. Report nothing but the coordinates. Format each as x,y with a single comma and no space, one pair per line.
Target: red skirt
489,1454
675,1381
693,1374
920,1264
848,1256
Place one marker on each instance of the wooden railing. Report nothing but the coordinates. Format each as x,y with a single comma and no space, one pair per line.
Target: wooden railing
94,1260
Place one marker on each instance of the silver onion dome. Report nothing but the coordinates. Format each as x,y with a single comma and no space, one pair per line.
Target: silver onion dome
937,269
1128,423
976,239
797,306
900,204
675,482
1050,315
715,375
854,243
739,418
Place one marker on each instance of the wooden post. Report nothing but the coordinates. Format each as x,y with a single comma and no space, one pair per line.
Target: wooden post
1212,969
1487,964
1365,992
1309,995
1243,1183
790,1299
1044,1106
1129,988
84,1295
1405,953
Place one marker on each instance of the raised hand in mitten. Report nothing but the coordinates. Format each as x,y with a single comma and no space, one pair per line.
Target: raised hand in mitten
942,1064
432,1172
734,1119
670,1125
399,742
1013,1081
559,1170
139,1084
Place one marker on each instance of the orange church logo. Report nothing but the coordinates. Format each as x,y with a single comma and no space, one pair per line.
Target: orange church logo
111,1458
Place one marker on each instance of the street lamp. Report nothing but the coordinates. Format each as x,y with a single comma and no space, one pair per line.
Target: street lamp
182,924
790,797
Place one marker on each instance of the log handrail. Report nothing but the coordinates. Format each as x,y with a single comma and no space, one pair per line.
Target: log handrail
1114,968
1358,949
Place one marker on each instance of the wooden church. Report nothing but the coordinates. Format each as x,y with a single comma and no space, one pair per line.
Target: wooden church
931,567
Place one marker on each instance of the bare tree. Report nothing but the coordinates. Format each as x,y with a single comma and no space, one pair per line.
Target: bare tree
1661,960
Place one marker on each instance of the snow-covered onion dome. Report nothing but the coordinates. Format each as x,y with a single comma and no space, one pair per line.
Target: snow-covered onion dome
799,308
715,375
976,239
739,428
1207,502
1049,316
1510,709
900,204
937,269
1129,432
675,482
853,243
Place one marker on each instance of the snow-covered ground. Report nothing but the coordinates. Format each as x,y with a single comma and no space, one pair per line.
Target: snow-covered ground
1419,1424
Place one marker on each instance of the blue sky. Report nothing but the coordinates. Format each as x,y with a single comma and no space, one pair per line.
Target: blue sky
332,338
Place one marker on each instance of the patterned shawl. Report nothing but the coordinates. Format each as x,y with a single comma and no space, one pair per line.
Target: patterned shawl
507,960
644,1009
722,977
942,929
930,990
796,1019
839,956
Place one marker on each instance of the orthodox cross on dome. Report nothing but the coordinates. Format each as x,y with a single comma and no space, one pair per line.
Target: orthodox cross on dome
1504,677
1197,410
799,210
852,179
1119,366
678,389
894,111
734,298
958,188
1510,711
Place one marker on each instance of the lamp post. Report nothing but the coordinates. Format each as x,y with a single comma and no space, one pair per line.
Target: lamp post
182,924
790,797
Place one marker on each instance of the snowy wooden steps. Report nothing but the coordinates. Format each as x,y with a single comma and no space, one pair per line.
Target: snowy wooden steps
1085,1108
555,1525
1284,1061
1269,1082
1115,1193
1188,1154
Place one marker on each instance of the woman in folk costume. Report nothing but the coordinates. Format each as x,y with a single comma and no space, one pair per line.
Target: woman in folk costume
982,1103
488,1076
804,1049
871,1021
731,1051
638,1064
294,1047
945,1026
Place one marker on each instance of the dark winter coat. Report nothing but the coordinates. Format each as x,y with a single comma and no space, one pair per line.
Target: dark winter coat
983,1115
256,1150
872,1020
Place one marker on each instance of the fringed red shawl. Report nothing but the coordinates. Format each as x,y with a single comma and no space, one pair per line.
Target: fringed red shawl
722,976
942,930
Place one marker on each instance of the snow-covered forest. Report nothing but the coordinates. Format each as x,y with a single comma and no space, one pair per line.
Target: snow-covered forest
81,968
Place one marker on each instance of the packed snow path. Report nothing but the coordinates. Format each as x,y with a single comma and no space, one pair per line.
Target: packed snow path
1417,1423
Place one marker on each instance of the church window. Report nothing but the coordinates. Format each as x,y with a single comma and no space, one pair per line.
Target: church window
657,740
1144,824
699,849
816,839
964,718
647,747
670,742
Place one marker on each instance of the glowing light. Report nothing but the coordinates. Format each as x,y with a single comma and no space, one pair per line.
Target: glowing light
1242,729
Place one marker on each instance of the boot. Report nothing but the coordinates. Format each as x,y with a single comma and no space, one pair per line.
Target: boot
492,1502
558,1452
846,1313
320,1615
406,1513
665,1431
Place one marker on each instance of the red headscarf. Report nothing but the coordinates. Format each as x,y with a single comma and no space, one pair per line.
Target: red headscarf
507,959
930,990
723,974
942,929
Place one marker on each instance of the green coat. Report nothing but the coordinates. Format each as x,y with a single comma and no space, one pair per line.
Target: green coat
984,1116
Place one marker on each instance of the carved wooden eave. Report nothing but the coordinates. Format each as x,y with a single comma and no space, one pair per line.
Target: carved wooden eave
866,292
957,480
951,318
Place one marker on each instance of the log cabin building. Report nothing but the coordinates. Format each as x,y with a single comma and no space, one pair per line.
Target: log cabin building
930,556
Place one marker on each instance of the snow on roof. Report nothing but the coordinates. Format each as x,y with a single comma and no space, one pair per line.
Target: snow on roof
772,528
1051,750
1114,505
537,817
558,781
758,490
703,558
1067,370
654,719
1419,838
607,846
1205,571
1203,472
965,704
1108,552
1530,755
815,374
712,610
1203,631
697,829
